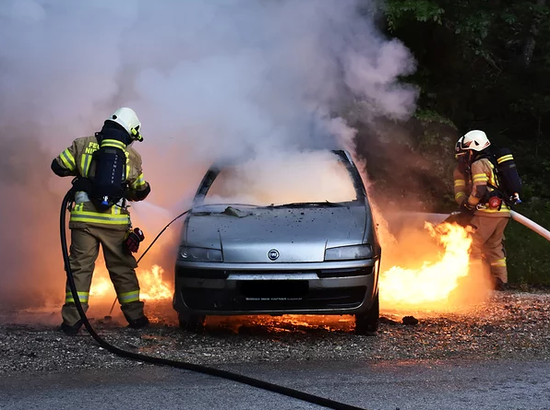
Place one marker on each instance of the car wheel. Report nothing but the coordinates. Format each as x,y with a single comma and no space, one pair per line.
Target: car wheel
190,322
367,323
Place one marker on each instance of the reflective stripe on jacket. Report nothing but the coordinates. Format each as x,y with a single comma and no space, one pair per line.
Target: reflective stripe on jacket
86,212
78,160
484,178
461,186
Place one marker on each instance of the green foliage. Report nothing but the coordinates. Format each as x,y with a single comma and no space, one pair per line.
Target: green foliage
472,55
432,117
419,10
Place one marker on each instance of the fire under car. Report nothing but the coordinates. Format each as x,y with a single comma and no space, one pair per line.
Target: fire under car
284,235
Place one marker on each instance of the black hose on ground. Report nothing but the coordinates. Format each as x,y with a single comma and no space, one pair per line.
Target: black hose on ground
321,401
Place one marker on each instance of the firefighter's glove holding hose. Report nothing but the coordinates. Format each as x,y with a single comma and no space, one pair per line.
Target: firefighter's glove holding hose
133,238
467,208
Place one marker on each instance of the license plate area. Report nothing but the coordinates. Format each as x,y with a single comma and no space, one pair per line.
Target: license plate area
273,289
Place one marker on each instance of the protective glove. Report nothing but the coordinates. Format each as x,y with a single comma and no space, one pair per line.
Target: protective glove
467,208
133,238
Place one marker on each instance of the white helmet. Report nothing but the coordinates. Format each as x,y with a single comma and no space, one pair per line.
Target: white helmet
475,140
130,122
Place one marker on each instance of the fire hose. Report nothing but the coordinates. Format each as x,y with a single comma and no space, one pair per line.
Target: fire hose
321,401
463,219
545,233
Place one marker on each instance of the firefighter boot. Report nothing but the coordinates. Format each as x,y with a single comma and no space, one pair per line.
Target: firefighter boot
71,330
138,323
500,285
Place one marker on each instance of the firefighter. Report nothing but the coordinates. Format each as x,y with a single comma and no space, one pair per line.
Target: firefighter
102,222
476,191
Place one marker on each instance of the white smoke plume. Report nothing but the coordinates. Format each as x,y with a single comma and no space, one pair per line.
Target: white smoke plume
207,78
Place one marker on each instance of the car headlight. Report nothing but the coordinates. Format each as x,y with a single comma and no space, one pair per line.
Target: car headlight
194,254
349,253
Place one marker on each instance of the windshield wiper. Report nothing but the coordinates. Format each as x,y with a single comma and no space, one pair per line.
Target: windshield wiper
226,204
306,204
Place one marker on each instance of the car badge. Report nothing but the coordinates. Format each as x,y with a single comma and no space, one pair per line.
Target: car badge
273,254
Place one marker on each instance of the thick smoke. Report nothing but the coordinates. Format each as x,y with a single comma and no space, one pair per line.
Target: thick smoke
237,78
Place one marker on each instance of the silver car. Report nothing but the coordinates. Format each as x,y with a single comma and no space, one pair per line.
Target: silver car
291,234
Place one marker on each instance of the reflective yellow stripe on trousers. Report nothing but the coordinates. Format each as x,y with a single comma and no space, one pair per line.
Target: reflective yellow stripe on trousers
128,297
82,296
499,263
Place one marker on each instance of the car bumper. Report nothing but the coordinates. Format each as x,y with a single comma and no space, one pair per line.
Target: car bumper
285,288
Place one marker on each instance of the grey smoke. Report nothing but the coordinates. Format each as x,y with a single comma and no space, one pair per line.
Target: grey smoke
207,78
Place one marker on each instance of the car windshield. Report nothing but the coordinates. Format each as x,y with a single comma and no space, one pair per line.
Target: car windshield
314,178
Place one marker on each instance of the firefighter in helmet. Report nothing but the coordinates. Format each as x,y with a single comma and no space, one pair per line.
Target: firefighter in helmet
476,191
106,166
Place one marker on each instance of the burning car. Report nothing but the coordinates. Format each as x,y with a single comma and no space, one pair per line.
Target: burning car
288,234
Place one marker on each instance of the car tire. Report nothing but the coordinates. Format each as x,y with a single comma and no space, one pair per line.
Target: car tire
191,323
367,323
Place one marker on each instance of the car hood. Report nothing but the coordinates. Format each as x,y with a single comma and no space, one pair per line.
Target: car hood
297,234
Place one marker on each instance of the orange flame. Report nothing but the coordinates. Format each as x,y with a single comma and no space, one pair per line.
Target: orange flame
153,287
430,285
101,285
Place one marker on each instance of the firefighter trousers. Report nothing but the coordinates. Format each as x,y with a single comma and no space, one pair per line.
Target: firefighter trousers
488,244
84,251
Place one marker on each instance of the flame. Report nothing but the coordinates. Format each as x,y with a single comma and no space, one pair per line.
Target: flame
101,285
431,285
153,287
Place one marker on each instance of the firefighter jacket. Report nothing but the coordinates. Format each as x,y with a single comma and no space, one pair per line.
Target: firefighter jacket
476,187
77,161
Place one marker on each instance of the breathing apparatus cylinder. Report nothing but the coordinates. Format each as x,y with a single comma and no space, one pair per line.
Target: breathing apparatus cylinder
109,181
509,179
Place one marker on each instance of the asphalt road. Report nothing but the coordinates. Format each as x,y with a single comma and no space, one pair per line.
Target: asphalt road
383,385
